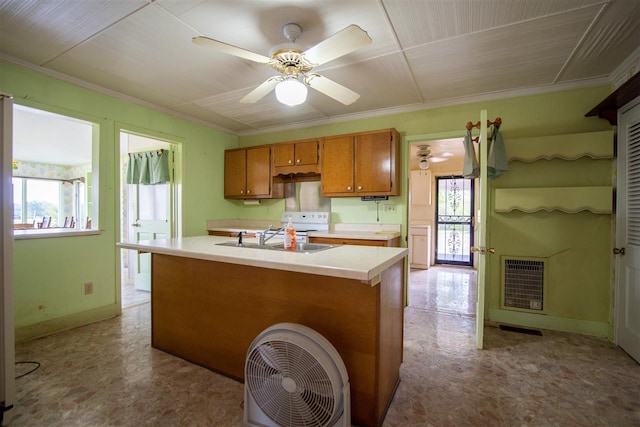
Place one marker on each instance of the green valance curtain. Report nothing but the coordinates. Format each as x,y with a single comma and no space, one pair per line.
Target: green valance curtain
149,168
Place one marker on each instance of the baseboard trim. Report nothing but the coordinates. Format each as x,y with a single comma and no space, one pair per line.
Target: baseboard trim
41,329
563,324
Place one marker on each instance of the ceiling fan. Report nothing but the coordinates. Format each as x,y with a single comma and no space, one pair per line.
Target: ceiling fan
295,65
425,157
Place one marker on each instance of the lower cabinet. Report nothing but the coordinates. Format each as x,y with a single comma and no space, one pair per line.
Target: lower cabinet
395,242
420,246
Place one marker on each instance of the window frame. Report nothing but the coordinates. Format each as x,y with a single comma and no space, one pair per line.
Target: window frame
92,204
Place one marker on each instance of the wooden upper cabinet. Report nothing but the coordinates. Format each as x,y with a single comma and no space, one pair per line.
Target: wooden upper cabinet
363,164
259,171
296,157
235,173
247,173
337,166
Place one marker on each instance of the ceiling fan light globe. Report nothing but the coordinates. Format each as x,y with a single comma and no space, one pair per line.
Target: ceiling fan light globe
423,164
291,92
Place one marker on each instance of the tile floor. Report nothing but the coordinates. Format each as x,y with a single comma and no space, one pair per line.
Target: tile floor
107,374
130,296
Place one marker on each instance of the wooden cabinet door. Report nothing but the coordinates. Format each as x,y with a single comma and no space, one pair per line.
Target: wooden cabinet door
374,156
337,166
306,152
258,171
283,154
235,172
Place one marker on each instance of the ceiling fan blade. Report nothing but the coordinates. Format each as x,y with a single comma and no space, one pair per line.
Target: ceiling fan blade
344,41
436,159
331,89
230,49
261,91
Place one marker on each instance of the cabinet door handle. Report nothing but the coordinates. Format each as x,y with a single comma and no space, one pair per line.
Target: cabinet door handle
290,161
241,191
618,251
359,187
349,188
298,161
248,191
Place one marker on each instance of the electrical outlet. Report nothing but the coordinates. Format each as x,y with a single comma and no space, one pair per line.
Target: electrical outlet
88,288
389,208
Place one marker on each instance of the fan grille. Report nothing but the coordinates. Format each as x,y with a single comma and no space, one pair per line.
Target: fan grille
289,385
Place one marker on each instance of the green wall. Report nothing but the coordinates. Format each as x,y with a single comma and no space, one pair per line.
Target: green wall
49,273
576,246
52,291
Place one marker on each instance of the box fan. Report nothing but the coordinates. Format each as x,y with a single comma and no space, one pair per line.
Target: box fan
295,377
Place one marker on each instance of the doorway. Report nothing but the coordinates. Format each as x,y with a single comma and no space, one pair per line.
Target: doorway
454,226
445,285
146,212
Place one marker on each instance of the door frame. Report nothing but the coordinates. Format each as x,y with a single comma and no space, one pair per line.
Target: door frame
406,142
177,146
7,322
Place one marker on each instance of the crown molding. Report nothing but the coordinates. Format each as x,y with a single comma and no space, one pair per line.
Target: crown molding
110,92
489,96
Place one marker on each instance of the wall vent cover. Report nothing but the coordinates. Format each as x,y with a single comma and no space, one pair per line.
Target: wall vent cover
524,281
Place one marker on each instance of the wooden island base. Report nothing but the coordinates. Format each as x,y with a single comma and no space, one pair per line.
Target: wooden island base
209,312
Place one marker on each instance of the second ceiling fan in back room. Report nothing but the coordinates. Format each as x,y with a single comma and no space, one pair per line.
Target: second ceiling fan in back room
295,65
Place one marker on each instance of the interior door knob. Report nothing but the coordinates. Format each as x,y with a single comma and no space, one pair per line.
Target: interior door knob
618,251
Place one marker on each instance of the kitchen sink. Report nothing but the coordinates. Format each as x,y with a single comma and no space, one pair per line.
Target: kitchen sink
300,247
246,245
305,247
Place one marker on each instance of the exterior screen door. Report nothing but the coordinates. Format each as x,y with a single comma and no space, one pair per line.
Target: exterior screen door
454,213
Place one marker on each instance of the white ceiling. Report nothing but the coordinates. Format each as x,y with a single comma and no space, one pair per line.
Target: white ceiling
424,52
43,137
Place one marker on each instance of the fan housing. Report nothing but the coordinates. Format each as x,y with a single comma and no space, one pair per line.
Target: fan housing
294,377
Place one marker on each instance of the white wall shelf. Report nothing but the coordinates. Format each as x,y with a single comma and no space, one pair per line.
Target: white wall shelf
597,145
598,200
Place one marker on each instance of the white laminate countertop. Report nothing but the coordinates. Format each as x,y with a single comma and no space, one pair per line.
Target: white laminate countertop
363,263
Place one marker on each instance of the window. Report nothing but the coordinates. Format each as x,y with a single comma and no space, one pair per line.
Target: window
52,170
35,199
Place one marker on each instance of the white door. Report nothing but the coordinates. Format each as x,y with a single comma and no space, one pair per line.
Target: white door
152,208
481,227
628,232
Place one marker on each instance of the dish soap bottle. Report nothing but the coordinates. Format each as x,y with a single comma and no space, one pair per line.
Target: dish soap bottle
290,236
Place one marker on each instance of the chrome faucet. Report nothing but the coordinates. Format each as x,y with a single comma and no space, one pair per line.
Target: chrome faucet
262,240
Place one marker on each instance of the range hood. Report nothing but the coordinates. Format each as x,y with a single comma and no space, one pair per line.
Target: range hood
305,196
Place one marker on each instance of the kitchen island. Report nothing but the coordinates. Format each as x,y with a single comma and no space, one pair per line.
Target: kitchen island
209,302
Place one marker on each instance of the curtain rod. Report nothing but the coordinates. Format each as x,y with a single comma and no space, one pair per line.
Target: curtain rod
159,151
